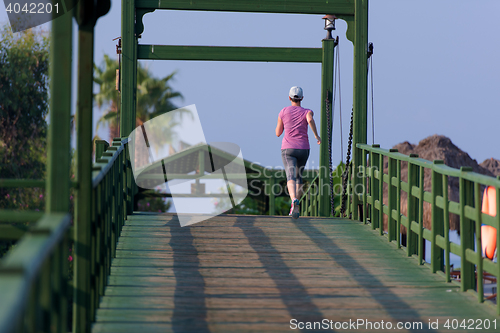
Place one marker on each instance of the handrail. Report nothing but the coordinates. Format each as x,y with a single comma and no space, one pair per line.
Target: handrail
112,200
33,276
104,163
309,202
28,183
468,208
36,271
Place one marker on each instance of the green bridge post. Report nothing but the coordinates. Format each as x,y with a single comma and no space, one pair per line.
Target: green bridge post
84,305
466,188
58,158
326,93
412,207
360,99
129,65
58,151
128,87
82,308
437,220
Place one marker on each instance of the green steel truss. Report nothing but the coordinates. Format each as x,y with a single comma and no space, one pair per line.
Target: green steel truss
33,275
354,12
339,7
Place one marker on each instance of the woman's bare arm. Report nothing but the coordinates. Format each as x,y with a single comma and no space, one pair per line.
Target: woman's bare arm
279,127
312,124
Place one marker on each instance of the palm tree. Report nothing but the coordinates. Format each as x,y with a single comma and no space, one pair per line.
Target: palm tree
105,77
154,96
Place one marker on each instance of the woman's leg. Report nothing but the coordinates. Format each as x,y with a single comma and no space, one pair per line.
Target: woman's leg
290,163
301,164
298,190
292,189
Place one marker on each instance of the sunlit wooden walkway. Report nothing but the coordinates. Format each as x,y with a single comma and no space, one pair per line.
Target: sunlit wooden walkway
254,274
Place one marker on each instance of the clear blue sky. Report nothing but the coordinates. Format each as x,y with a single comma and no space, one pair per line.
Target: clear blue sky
435,71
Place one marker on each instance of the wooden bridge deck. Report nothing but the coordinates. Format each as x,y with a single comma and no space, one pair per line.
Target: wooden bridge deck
239,273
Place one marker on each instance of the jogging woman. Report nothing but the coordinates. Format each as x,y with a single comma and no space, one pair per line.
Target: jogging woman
295,145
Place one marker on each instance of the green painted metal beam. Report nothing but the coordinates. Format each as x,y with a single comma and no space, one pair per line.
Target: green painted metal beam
248,176
58,137
128,65
360,95
326,94
12,232
221,53
22,183
82,311
7,215
437,224
29,183
337,7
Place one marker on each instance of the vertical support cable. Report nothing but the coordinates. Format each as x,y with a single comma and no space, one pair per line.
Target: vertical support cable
329,121
345,176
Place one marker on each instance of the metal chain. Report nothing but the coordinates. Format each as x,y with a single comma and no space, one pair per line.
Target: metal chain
345,175
329,130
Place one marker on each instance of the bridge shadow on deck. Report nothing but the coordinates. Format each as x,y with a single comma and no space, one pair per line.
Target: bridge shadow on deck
392,303
182,317
235,273
293,293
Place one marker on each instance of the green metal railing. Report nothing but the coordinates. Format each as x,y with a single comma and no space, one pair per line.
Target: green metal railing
14,223
310,200
112,193
34,274
34,277
371,196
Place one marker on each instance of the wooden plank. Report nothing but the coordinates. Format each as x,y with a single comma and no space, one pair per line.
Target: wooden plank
254,274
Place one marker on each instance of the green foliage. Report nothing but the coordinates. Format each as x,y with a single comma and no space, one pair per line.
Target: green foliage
24,63
154,204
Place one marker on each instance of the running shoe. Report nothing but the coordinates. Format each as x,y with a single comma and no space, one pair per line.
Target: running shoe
294,210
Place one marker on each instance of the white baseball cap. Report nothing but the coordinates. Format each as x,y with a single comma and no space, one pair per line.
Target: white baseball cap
296,92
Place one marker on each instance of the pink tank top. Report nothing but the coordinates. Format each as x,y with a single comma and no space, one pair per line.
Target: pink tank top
295,124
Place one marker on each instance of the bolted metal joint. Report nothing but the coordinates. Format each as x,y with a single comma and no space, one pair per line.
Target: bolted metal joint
370,50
